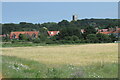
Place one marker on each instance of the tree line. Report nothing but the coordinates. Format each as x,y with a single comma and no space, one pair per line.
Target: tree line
69,31
81,24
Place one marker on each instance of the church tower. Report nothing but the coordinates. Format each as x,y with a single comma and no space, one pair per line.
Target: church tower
74,17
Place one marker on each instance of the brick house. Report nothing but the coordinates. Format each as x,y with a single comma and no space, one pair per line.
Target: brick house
3,35
115,31
31,34
53,33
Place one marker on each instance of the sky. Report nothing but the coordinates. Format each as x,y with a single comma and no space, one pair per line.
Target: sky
41,12
60,0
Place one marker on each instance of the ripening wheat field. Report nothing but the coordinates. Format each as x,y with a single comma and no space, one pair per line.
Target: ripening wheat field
67,54
76,55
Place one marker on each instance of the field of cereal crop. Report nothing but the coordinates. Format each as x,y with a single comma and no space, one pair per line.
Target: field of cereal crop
76,55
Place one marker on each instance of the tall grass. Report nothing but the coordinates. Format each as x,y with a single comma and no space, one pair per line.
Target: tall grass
14,67
67,54
62,61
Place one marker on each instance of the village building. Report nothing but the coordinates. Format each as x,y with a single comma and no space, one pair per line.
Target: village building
82,31
34,34
31,34
117,32
114,31
53,33
102,30
3,35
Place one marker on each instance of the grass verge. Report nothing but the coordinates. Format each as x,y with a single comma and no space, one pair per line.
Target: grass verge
14,67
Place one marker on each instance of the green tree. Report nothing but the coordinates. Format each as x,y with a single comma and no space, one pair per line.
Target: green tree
6,38
103,38
75,38
113,37
23,37
90,30
63,23
70,32
43,35
92,38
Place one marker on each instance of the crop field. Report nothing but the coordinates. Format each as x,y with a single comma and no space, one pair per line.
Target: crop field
60,61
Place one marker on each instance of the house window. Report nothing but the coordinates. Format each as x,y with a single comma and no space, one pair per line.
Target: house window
51,32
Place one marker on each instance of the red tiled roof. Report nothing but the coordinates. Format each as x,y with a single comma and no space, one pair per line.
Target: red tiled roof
52,33
23,32
106,32
103,30
117,31
3,35
109,32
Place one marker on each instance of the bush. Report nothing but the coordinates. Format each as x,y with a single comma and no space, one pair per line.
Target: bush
5,39
75,38
23,37
113,37
14,41
36,40
92,38
103,38
54,38
49,41
71,38
68,38
78,41
67,33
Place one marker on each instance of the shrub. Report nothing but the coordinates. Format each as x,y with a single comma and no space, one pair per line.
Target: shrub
92,38
68,38
103,38
23,37
113,37
75,38
49,41
5,39
37,40
67,33
14,41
